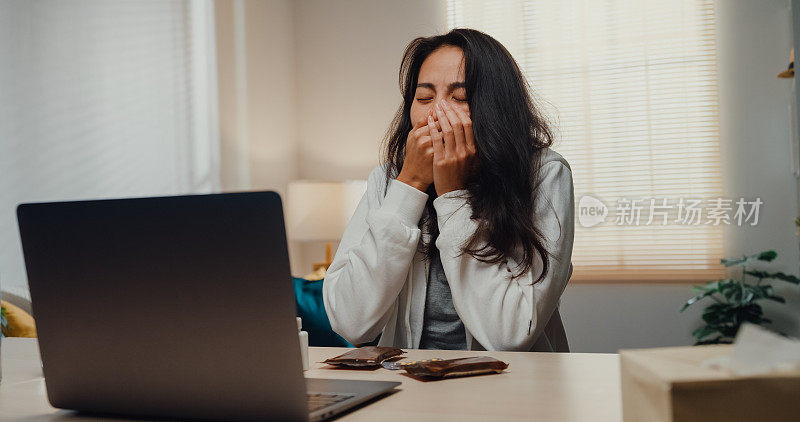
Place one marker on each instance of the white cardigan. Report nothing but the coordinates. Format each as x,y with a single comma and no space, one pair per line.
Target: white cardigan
378,278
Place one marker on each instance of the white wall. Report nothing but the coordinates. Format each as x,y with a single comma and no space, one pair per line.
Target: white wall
348,58
347,55
755,125
258,97
256,67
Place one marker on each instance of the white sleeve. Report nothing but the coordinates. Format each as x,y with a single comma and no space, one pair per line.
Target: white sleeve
373,258
501,313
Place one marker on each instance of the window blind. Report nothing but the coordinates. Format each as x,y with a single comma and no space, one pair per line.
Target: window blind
631,89
103,99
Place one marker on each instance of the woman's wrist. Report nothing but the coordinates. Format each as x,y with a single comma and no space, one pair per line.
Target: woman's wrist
414,183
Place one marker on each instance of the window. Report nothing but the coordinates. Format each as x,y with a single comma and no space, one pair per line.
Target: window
103,99
631,88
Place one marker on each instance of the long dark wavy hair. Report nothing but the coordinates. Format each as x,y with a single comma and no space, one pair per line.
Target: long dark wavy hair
510,134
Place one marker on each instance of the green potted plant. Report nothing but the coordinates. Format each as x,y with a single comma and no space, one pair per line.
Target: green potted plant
736,301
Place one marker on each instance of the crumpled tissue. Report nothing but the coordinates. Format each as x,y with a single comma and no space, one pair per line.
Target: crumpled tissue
758,351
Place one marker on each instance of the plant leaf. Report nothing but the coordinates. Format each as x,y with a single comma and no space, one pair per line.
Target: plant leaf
729,330
745,259
716,340
720,314
699,297
732,291
734,261
763,291
703,332
767,256
757,273
712,286
752,313
778,276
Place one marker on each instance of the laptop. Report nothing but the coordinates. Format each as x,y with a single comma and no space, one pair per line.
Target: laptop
173,307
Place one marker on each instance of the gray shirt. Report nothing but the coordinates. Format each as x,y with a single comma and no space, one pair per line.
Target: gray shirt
441,328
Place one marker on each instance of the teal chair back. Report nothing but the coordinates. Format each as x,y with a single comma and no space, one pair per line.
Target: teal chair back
311,309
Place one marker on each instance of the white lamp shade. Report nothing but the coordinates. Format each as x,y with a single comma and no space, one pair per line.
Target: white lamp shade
320,211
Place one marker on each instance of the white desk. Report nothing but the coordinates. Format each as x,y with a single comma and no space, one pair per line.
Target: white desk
535,387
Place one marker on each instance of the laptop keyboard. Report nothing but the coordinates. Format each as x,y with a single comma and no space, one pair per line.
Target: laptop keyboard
317,401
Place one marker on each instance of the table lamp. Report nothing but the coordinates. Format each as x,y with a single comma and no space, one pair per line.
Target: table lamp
320,211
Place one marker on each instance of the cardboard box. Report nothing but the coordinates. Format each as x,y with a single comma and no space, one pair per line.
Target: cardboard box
669,384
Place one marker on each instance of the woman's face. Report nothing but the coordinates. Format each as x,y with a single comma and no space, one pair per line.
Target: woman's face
441,77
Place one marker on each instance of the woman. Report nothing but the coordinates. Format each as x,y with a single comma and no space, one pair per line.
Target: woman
463,239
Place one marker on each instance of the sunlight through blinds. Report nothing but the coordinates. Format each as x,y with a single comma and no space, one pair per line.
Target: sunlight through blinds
631,90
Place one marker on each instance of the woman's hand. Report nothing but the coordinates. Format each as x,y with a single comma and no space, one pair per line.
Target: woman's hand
417,168
453,148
